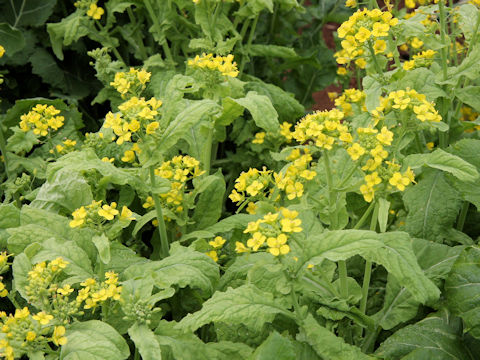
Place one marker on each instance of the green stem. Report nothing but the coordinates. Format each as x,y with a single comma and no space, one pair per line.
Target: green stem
249,43
139,40
207,155
137,354
342,275
365,216
158,28
443,30
368,264
162,247
463,215
374,57
3,151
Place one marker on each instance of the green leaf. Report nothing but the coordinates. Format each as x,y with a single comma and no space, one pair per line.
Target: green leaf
442,160
64,191
102,243
288,108
432,205
468,14
21,141
184,267
263,113
70,29
273,51
462,289
94,340
423,81
246,305
236,273
373,90
327,344
20,268
469,95
468,68
11,39
436,260
392,250
145,342
275,347
45,66
437,337
209,204
27,13
383,207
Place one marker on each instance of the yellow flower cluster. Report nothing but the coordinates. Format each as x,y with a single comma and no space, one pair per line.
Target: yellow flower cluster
132,82
42,119
66,147
179,171
95,293
95,214
25,333
93,10
298,171
351,97
323,129
252,183
273,230
364,29
224,64
411,4
4,266
422,59
216,245
2,51
135,114
407,100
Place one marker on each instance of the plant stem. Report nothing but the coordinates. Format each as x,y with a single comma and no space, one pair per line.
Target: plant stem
443,30
462,216
3,151
249,43
365,216
162,247
368,264
207,155
158,28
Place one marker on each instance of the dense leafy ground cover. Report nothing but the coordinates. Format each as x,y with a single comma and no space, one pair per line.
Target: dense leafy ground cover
166,194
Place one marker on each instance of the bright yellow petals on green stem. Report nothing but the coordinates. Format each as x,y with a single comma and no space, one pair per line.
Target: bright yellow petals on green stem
95,12
356,151
42,119
223,64
278,246
43,318
108,211
58,336
400,181
2,51
133,82
79,216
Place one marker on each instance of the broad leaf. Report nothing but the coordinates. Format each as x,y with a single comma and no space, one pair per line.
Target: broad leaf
94,340
145,342
391,250
462,289
11,39
246,305
263,113
275,347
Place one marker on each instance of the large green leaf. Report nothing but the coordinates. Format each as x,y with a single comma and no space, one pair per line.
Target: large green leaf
438,337
208,208
468,68
184,267
436,260
432,206
145,342
246,305
21,141
391,250
27,13
275,347
327,344
11,39
63,191
263,113
440,159
94,340
468,14
462,289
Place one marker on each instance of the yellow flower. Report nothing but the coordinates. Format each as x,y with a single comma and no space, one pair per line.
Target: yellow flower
22,313
65,291
379,46
152,127
351,3
2,51
430,145
108,211
148,203
107,159
278,246
3,290
95,12
240,247
367,192
409,65
257,240
385,136
355,151
126,214
380,29
362,34
43,318
128,156
31,335
416,43
361,63
58,337
79,216
399,181
341,71
251,208
217,243
213,255
235,196
259,138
